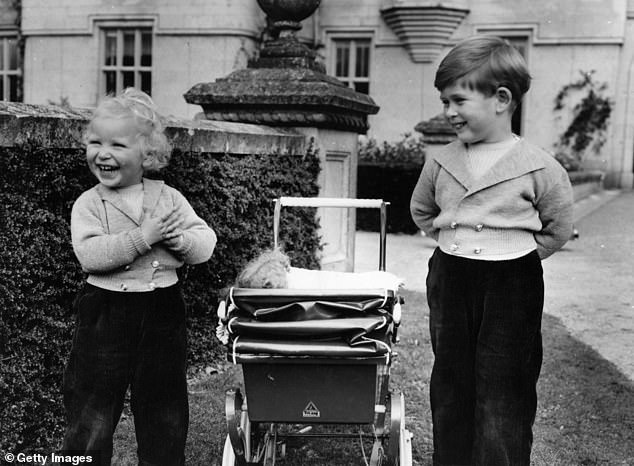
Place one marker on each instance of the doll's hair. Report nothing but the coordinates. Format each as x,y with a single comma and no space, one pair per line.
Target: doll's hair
137,104
268,270
486,63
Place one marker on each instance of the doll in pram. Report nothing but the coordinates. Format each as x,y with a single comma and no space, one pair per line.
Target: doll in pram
315,347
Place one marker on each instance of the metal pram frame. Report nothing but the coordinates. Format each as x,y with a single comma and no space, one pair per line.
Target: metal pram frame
315,356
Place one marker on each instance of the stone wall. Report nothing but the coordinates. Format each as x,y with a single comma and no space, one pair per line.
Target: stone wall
193,42
59,127
45,16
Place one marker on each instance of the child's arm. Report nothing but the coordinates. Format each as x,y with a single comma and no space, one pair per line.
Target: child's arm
555,213
423,205
195,241
96,249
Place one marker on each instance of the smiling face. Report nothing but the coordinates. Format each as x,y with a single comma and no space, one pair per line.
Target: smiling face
113,151
474,116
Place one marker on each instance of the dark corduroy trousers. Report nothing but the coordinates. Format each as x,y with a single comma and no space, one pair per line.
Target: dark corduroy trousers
485,324
122,340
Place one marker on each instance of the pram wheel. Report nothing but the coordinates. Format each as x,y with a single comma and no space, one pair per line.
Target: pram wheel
399,450
238,442
246,443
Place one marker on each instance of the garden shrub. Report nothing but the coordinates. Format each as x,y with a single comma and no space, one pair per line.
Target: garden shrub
38,278
409,150
389,171
40,274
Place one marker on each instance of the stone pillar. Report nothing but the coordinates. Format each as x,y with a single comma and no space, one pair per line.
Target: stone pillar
285,86
437,133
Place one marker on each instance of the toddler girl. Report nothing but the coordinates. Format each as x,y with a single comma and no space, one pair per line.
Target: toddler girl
130,234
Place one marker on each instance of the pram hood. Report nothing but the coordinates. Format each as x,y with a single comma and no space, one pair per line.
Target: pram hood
299,305
305,323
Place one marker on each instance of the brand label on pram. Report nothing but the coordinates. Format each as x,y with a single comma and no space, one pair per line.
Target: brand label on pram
311,410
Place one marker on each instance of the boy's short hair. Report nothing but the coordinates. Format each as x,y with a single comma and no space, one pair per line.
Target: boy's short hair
487,62
137,104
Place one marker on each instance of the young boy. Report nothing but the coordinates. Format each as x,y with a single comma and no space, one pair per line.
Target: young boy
496,205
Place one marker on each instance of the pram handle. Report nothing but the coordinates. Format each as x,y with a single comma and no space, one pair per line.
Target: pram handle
334,202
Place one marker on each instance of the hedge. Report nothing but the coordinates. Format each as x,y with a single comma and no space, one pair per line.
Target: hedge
39,274
38,279
389,171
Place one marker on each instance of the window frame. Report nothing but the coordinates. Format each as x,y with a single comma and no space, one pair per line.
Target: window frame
352,39
119,28
6,72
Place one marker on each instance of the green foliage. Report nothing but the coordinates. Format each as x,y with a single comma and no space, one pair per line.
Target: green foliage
588,126
39,274
389,171
406,151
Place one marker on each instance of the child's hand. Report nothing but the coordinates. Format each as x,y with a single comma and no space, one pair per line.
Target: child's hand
171,231
174,242
165,228
151,229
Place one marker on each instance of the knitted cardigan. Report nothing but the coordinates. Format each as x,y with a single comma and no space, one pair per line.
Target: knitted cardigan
109,245
524,198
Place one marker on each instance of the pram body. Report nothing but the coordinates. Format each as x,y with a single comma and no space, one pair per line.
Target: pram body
313,356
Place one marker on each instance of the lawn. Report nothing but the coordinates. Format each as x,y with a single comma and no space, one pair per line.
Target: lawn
585,414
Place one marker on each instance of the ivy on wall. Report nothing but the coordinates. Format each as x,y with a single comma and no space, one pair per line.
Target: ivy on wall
586,131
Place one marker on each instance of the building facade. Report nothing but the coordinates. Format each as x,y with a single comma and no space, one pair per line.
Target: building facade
74,51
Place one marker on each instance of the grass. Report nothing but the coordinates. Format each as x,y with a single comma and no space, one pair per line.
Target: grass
585,414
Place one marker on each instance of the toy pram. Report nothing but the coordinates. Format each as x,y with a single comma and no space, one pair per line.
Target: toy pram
314,356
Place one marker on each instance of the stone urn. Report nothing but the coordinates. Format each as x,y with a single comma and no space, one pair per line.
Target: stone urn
285,85
284,18
288,14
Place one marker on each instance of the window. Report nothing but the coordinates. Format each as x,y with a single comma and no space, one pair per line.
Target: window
127,59
9,70
351,63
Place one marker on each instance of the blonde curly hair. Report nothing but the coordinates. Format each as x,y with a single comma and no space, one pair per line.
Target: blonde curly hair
137,104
